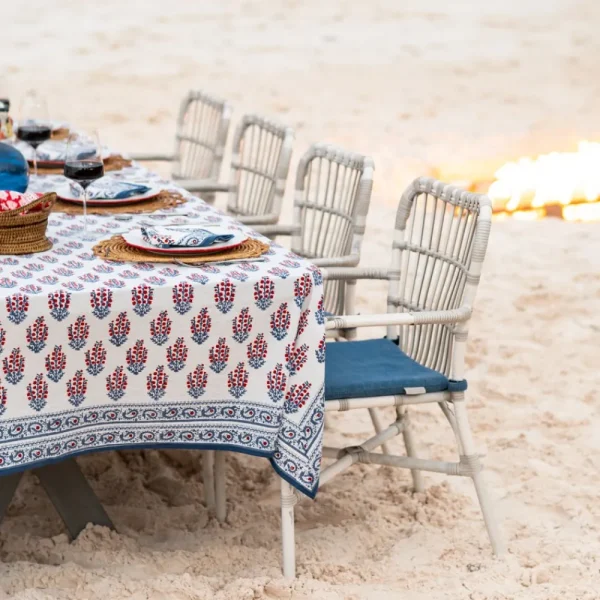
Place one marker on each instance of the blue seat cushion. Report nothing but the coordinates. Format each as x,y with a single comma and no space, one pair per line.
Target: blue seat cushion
366,368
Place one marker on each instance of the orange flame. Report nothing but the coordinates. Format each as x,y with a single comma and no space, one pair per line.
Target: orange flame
568,180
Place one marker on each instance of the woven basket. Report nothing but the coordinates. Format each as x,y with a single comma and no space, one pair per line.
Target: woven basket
23,229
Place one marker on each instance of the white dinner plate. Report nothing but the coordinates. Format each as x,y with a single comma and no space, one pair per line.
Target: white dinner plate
136,240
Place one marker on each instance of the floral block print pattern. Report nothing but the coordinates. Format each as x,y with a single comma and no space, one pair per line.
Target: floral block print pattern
36,336
97,354
118,330
160,328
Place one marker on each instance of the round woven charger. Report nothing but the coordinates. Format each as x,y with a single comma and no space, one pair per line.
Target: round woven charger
116,248
164,200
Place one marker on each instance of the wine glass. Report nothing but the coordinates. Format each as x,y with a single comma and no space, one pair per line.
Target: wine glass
34,126
84,165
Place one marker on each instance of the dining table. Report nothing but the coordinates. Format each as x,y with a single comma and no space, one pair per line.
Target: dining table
100,354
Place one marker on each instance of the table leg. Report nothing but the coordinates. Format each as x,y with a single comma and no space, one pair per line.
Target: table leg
208,478
220,486
72,496
8,487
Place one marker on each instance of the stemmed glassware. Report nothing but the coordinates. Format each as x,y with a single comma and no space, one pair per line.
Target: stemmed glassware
34,126
84,165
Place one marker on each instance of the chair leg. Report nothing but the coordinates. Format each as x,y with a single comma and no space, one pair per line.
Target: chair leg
208,478
220,487
471,460
378,428
409,443
288,501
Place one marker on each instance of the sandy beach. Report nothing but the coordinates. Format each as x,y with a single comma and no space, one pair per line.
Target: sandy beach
452,90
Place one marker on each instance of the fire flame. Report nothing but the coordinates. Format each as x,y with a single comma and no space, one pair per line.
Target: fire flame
569,182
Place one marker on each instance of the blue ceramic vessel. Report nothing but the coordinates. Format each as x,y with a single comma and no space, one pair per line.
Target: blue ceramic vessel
14,171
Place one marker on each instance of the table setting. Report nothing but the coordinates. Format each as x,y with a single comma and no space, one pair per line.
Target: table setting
48,155
142,317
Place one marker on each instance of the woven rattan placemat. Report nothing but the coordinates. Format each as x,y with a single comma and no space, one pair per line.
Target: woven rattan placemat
165,199
116,248
62,133
115,162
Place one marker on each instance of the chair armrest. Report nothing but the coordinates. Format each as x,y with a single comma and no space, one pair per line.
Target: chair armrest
202,185
350,260
457,315
354,273
273,230
268,219
145,157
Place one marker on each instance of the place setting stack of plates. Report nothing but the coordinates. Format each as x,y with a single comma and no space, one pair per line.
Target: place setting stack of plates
51,155
182,244
108,191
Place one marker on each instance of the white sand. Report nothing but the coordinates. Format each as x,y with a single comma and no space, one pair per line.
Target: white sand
460,89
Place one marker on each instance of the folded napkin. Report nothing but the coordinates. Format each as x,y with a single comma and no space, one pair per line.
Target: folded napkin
109,188
181,237
10,200
54,150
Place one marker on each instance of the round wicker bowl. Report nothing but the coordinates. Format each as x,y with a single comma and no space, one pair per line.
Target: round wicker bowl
23,229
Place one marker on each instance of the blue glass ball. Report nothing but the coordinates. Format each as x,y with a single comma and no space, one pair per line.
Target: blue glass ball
14,170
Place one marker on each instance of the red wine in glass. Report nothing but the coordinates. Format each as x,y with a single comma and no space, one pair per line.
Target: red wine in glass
34,134
84,165
84,172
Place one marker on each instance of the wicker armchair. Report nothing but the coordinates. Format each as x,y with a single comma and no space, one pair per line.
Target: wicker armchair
331,202
260,165
202,128
332,197
437,256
